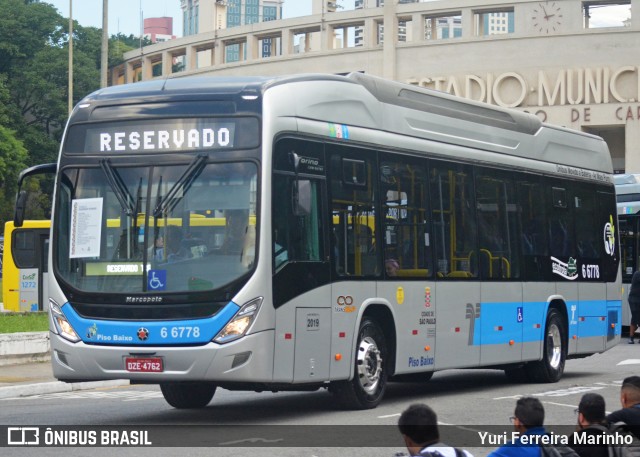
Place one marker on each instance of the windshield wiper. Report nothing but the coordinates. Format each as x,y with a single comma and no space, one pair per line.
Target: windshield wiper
169,201
118,187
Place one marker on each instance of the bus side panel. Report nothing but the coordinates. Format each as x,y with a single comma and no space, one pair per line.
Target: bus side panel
592,318
569,292
312,354
534,297
348,299
303,330
457,313
501,318
413,306
615,311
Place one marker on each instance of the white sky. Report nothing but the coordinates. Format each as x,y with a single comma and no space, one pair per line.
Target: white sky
124,15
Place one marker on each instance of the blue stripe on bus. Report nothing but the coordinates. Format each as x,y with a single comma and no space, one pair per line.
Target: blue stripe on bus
149,333
524,322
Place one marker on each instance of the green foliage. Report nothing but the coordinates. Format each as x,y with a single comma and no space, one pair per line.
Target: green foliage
24,322
13,157
34,59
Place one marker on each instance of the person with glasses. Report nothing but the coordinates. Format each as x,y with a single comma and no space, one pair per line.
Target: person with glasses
527,419
591,422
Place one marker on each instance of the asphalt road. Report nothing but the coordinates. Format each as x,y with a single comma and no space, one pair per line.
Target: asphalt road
308,423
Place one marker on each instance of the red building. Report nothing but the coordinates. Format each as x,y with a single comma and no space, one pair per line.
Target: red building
159,29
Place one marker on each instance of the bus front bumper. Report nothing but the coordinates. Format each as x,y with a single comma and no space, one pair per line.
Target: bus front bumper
249,359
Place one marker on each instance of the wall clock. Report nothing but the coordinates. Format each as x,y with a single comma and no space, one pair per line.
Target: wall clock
547,17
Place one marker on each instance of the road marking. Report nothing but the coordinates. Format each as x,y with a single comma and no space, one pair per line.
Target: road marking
93,395
629,362
566,392
388,415
560,404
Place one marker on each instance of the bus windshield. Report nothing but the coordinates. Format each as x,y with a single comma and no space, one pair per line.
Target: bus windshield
158,228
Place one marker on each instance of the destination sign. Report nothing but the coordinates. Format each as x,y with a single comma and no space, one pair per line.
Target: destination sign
175,139
163,135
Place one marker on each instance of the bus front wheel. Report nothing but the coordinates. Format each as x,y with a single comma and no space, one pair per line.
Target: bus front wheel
554,355
188,394
366,389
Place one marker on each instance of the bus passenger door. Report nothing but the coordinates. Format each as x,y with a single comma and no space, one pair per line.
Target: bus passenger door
43,297
300,260
458,307
355,250
30,254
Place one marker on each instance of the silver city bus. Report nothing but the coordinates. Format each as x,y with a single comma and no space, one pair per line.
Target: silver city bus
318,231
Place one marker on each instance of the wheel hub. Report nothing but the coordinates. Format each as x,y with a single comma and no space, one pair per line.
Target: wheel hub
369,364
554,346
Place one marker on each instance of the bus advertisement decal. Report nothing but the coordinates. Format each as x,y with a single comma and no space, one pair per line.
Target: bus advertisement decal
567,270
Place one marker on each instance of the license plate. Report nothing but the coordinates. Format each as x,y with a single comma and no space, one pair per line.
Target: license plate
143,365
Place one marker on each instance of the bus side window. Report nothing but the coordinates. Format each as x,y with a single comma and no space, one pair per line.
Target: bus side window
407,241
454,220
353,196
297,235
533,238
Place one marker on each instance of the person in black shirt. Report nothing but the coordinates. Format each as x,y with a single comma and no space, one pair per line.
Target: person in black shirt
634,305
630,400
591,421
418,425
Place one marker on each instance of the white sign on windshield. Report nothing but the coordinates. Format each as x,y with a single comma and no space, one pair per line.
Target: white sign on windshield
86,228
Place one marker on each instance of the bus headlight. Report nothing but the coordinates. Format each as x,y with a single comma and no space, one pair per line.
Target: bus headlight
240,323
61,324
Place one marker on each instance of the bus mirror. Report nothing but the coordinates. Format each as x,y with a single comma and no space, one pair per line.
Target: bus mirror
295,161
302,197
21,205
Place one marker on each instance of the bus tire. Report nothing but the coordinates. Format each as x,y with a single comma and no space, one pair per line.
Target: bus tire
554,351
366,389
188,394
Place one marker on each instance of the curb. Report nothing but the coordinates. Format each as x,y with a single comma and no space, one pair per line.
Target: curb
27,347
42,388
24,347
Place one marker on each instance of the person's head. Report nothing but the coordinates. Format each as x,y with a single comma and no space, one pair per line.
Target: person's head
391,266
529,413
173,237
418,425
236,220
591,409
630,391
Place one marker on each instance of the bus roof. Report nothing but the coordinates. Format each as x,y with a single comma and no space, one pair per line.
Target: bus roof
358,101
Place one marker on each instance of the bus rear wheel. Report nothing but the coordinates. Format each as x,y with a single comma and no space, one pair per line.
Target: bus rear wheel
188,394
554,355
366,389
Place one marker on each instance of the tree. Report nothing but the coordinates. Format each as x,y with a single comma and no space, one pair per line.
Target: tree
34,44
13,157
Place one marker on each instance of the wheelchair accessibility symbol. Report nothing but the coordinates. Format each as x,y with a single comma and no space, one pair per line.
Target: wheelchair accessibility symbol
157,279
520,318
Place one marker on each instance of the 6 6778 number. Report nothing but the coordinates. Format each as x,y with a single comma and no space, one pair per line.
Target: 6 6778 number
590,271
180,332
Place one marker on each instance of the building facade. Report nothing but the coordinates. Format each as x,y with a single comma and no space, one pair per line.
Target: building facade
551,58
158,29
